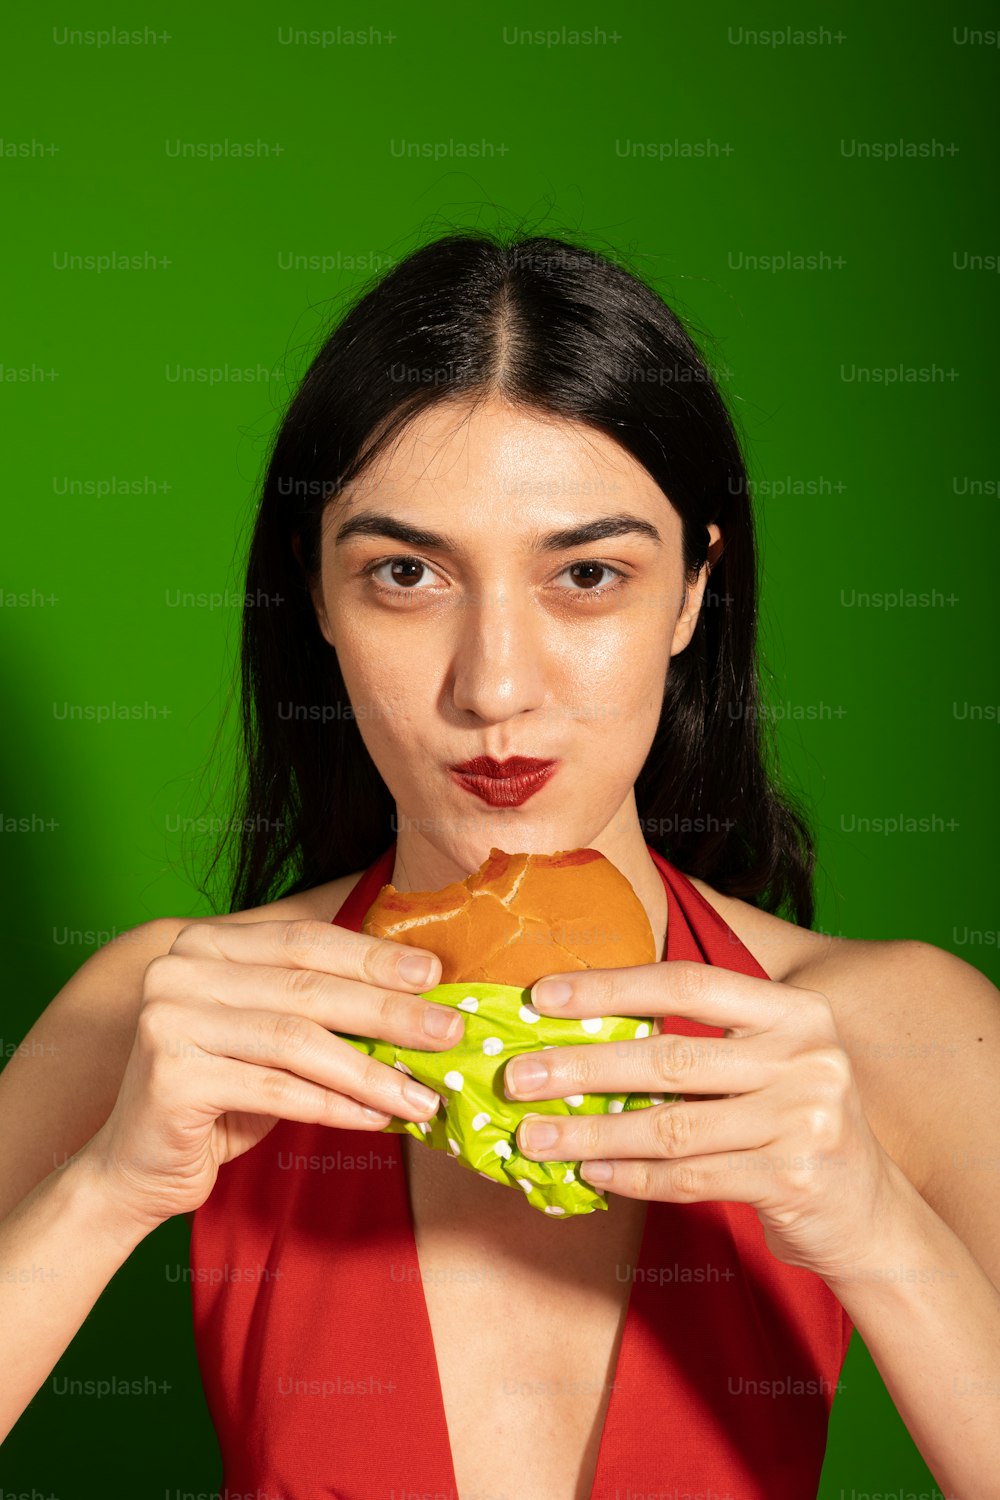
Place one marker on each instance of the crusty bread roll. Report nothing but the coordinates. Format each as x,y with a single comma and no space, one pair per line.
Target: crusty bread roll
521,916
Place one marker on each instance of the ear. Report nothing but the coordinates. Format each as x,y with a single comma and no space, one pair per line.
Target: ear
695,593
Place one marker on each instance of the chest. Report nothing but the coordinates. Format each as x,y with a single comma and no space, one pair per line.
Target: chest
526,1320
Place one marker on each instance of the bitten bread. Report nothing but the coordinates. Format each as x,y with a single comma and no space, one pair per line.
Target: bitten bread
521,916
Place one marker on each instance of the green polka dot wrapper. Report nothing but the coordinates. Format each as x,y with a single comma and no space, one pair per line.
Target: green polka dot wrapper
476,1122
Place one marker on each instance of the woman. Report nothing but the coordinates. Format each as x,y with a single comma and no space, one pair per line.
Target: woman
506,516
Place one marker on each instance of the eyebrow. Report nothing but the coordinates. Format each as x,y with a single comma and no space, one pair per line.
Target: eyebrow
375,524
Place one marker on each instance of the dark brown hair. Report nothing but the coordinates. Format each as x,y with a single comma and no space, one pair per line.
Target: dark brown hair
564,330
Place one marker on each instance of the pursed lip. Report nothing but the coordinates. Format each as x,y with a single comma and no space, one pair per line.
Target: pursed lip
516,765
504,783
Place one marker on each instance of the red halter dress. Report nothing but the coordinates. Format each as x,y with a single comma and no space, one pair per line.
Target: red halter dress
314,1340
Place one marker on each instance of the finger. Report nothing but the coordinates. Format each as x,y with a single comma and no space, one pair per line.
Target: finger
733,1177
742,1003
674,1129
293,1046
347,1005
664,1064
308,944
260,1090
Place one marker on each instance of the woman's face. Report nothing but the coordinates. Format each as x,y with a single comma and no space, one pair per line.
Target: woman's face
491,635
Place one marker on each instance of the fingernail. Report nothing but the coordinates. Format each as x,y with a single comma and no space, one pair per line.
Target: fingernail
415,969
418,1095
376,1114
525,1074
595,1171
537,1137
440,1023
553,992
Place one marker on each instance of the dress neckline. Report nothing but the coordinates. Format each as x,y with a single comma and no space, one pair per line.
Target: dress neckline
625,1382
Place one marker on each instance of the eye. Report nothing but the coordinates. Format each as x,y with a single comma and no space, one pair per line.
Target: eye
405,577
591,568
406,571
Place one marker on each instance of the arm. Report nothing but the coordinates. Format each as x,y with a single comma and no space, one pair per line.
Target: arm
144,1129
930,1318
912,1247
59,1248
62,1236
927,1300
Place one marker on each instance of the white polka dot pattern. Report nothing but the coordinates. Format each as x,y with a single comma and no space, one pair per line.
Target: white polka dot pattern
476,1122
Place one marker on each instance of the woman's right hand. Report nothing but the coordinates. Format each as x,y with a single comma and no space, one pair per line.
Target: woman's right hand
237,1030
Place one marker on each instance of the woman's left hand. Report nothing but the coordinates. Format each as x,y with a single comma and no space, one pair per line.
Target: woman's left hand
788,1133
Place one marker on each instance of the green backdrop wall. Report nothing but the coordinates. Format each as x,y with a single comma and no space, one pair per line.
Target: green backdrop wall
190,194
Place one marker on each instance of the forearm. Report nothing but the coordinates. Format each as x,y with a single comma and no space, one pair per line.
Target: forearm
930,1318
59,1248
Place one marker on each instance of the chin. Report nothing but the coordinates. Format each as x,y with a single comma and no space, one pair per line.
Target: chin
467,842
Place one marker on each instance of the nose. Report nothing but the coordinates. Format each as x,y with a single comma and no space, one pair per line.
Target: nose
499,661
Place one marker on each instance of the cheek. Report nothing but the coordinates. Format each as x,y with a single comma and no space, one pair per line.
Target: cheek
386,682
392,670
620,665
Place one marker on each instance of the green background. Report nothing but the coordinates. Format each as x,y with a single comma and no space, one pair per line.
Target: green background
886,488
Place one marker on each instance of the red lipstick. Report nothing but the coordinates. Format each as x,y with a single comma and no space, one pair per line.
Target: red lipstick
505,783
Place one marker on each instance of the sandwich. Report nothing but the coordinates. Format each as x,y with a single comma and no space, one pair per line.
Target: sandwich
514,920
520,917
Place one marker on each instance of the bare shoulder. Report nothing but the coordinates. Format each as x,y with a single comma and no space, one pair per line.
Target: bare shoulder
781,948
852,972
922,1029
130,951
320,904
61,1083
